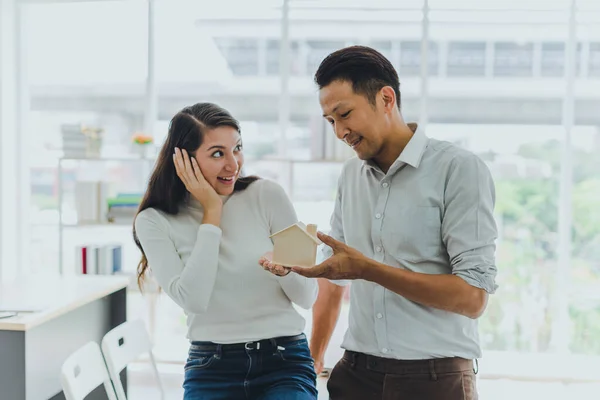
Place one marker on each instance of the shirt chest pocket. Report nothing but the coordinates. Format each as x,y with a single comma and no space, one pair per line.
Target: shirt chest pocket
415,234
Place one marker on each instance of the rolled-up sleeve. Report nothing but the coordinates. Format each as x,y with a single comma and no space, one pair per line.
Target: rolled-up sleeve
469,229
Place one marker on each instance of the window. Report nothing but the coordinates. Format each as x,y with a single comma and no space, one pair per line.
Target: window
318,50
384,47
553,59
513,59
241,54
525,163
273,54
410,59
466,59
594,63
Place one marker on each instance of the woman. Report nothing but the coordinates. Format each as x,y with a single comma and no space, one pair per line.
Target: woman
202,229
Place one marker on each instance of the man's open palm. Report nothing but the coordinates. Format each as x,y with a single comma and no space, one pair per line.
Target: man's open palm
345,263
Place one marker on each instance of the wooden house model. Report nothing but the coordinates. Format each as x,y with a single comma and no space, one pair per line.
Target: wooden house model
296,245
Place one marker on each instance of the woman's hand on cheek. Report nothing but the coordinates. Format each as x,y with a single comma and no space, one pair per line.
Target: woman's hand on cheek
189,172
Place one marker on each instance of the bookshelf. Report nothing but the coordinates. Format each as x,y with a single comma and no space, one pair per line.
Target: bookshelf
102,224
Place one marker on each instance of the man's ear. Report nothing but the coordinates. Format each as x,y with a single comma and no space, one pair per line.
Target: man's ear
389,97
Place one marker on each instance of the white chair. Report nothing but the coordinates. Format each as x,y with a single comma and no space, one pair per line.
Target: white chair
83,372
124,344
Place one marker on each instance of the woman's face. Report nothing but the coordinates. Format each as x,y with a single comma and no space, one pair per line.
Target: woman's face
220,158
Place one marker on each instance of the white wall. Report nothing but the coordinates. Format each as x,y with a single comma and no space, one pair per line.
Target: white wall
9,188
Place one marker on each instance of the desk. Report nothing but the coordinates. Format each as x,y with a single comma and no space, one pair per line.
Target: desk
58,316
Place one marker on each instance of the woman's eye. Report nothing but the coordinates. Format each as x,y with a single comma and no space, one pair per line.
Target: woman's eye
217,154
346,114
238,147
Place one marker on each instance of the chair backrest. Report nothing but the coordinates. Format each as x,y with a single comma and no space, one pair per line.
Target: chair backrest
124,344
83,372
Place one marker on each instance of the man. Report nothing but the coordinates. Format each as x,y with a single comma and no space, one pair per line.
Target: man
413,229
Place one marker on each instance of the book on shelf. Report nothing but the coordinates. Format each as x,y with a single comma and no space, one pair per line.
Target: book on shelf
94,206
104,259
122,209
90,201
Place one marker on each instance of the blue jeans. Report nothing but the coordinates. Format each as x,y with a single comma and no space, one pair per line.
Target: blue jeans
271,369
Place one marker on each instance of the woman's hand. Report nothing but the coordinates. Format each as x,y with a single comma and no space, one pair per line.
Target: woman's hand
189,172
279,270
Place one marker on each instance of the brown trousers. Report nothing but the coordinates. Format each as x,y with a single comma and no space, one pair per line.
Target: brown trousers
359,376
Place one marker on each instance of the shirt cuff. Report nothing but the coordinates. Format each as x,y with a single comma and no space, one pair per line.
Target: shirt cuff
209,228
481,276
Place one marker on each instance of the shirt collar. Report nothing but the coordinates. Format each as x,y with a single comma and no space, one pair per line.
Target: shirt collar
412,153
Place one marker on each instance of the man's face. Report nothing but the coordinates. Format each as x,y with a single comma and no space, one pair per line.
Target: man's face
354,120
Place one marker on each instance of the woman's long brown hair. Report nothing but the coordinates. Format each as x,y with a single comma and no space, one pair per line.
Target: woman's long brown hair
166,192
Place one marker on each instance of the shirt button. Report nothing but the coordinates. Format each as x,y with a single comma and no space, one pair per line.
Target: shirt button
377,215
385,184
379,315
378,248
384,350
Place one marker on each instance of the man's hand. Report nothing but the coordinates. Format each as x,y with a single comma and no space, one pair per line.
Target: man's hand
345,263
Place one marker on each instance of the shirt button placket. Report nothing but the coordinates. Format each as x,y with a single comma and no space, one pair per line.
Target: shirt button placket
379,310
379,212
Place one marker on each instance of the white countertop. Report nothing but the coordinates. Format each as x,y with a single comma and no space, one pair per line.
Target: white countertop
41,299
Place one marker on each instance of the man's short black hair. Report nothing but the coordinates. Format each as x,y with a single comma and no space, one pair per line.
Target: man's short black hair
366,68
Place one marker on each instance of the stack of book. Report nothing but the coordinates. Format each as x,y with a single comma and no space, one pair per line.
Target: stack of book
81,141
122,209
99,259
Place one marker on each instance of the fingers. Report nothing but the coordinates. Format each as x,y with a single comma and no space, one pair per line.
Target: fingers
276,269
329,241
180,166
281,270
187,167
317,271
267,265
197,172
189,171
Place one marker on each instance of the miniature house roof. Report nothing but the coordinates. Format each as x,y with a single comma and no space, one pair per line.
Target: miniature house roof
300,226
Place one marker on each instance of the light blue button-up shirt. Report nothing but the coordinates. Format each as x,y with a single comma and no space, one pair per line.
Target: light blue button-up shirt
432,213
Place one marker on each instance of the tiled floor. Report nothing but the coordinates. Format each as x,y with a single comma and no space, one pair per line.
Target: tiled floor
142,387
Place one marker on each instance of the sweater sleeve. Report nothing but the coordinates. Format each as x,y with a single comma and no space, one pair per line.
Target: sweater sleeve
191,284
280,214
